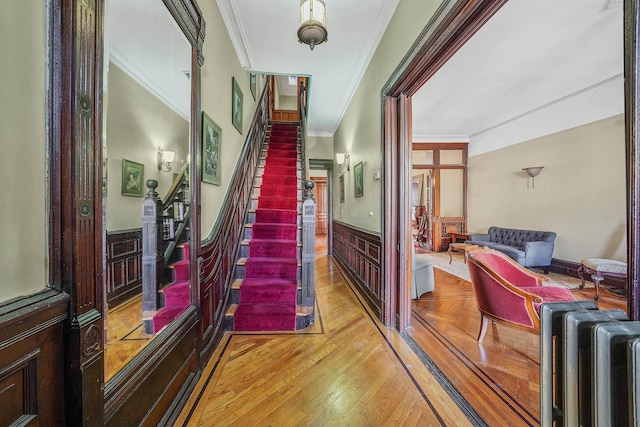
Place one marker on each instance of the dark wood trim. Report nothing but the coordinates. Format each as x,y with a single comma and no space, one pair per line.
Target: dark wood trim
76,197
123,266
76,228
31,359
327,164
390,199
359,253
453,24
167,364
632,115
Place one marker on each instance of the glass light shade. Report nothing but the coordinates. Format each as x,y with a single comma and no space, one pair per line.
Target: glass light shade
340,158
313,21
168,156
533,171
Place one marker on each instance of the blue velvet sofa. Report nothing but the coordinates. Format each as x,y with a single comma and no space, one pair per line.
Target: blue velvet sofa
528,248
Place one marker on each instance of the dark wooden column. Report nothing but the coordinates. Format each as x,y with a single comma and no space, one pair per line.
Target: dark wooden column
632,112
76,198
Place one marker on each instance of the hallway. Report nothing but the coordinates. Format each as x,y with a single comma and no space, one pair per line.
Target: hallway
348,369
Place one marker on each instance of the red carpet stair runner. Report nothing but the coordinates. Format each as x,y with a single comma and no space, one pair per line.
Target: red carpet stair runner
176,294
266,288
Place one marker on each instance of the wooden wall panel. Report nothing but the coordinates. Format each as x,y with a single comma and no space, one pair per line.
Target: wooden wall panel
124,266
358,252
31,374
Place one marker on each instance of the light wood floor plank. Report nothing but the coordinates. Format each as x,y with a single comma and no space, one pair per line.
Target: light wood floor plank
347,375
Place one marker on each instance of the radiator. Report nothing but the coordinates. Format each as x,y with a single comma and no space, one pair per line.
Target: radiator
589,366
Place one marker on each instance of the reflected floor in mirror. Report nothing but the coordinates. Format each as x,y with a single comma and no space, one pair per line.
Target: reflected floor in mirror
125,337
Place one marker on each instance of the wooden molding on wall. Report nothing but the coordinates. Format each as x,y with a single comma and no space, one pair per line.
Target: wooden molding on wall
31,359
359,253
124,266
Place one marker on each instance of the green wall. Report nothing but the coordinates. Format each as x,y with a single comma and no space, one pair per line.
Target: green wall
220,65
360,131
23,149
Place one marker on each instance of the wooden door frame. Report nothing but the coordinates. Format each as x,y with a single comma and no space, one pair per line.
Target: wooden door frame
324,164
76,29
453,24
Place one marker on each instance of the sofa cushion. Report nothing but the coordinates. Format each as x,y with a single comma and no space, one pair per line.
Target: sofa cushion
516,237
511,251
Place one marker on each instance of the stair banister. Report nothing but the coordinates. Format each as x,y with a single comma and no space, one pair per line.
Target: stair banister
152,258
308,214
309,247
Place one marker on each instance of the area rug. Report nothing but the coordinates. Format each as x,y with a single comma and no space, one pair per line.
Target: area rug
459,268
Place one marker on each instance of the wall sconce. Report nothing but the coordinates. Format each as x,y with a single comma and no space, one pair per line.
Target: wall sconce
165,157
533,171
343,161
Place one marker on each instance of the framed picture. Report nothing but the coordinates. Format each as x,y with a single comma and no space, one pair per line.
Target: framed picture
358,190
236,105
341,188
211,140
252,84
132,178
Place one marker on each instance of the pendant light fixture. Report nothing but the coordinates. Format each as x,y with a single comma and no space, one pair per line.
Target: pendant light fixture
313,21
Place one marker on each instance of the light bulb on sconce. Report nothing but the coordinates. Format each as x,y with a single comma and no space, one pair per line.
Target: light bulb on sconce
165,157
343,160
533,171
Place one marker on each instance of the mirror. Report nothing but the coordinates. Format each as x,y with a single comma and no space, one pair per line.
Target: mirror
146,122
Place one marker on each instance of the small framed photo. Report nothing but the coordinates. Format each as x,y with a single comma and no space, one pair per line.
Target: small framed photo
236,105
341,188
211,140
358,190
132,178
252,84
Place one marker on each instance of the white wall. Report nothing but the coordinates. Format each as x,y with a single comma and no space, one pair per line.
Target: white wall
580,193
23,149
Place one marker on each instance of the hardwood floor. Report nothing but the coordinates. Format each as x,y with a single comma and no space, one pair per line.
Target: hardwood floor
125,337
500,377
348,369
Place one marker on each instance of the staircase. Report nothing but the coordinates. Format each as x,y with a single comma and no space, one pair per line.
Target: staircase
176,295
266,289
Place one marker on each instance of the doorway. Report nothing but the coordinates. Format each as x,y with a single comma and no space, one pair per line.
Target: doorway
321,173
438,193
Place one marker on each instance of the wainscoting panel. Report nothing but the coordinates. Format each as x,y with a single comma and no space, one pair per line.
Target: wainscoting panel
359,253
31,362
124,266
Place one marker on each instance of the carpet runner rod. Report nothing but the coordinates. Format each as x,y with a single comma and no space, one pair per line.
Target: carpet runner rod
268,274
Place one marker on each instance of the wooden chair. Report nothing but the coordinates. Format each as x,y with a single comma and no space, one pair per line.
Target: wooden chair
508,293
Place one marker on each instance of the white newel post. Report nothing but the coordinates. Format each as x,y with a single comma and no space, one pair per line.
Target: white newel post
151,256
308,247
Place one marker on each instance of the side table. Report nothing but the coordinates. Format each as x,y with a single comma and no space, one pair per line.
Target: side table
599,267
457,247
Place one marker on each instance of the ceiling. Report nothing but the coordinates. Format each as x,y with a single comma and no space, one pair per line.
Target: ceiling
264,35
559,67
535,68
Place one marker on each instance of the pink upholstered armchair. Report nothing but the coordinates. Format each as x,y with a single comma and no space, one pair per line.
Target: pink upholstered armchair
508,293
